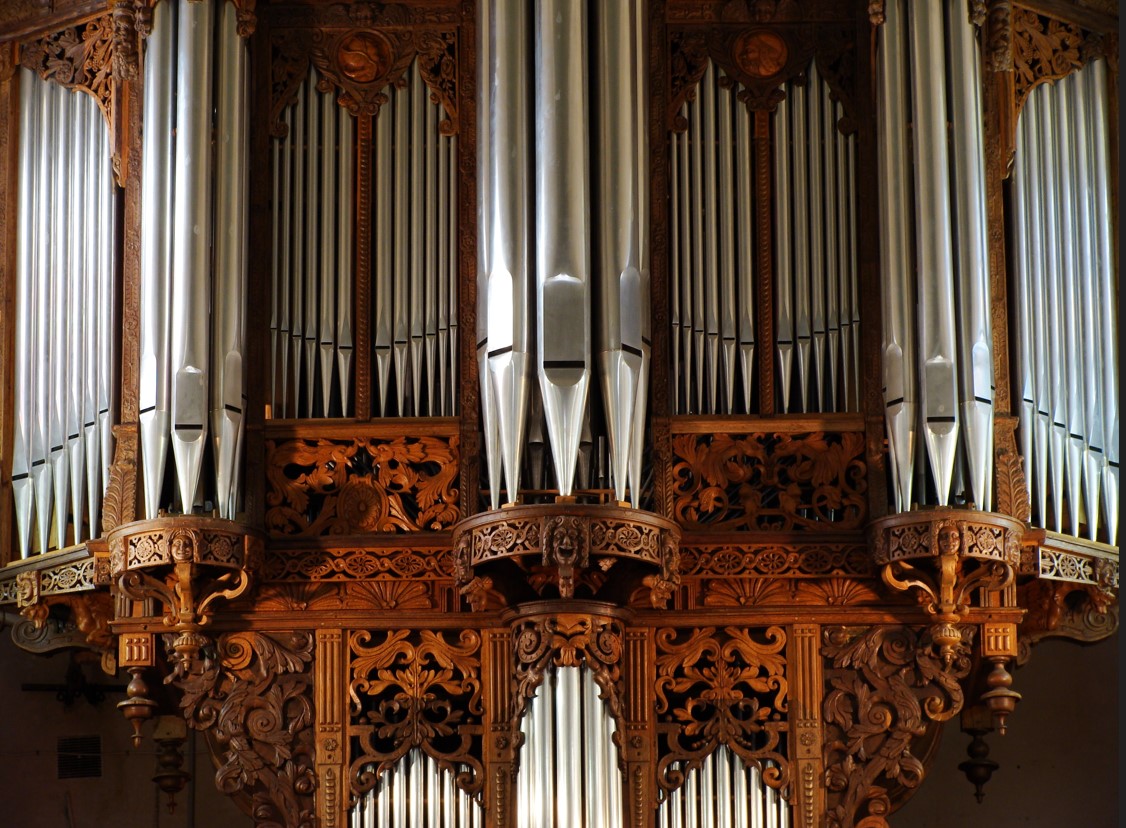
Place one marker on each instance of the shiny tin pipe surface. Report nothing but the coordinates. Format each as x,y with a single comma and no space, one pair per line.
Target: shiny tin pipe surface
416,296
816,205
897,289
77,300
832,259
345,253
191,238
60,288
803,326
563,289
305,95
313,221
330,223
725,146
783,249
711,249
745,255
934,245
387,257
975,360
285,161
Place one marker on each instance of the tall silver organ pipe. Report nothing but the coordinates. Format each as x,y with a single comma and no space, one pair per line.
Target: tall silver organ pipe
191,239
934,245
569,774
416,793
229,307
897,287
623,203
505,327
1067,362
976,337
723,792
563,289
64,279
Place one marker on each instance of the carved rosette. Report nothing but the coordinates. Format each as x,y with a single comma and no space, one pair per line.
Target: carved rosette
590,637
188,564
721,687
601,551
942,556
415,689
886,690
254,703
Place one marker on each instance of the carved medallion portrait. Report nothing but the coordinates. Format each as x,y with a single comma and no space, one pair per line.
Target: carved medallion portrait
761,54
364,57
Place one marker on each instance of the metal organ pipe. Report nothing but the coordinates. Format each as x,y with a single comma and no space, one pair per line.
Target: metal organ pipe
745,256
1096,88
344,254
60,277
975,334
833,262
326,317
934,244
622,273
563,287
802,319
723,792
898,349
76,298
505,294
228,399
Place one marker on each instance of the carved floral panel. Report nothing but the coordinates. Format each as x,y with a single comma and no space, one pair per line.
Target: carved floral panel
769,482
415,690
322,486
724,687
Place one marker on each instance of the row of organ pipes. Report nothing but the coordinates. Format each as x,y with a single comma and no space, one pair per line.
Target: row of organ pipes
416,793
714,289
194,201
537,191
937,341
1066,344
414,279
723,792
62,442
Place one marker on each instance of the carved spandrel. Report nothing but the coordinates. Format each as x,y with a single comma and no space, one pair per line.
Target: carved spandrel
254,704
885,688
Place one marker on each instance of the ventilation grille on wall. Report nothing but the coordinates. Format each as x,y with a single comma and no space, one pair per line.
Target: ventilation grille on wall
80,757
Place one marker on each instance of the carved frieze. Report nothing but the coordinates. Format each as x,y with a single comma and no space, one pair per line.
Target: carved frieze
332,563
886,687
813,481
323,486
415,690
721,687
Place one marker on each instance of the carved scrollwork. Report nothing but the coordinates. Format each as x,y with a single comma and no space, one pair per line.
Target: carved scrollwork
358,563
361,486
415,690
688,59
437,64
776,481
887,688
362,63
721,688
78,57
253,700
789,558
568,640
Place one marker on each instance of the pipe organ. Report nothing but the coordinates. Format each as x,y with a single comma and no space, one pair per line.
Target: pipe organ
640,433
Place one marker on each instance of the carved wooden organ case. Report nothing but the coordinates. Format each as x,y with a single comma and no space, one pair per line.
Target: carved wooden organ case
408,553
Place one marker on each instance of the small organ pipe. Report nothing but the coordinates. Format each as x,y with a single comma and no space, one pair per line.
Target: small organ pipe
402,267
934,244
802,321
1107,286
725,100
816,204
59,457
84,144
833,262
710,274
433,246
106,304
330,222
697,281
687,268
345,234
675,277
1053,322
275,267
452,274
976,337
897,294
445,262
385,255
854,327
285,269
1086,294
745,256
416,310
844,294
27,314
42,485
1022,243
313,219
305,96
